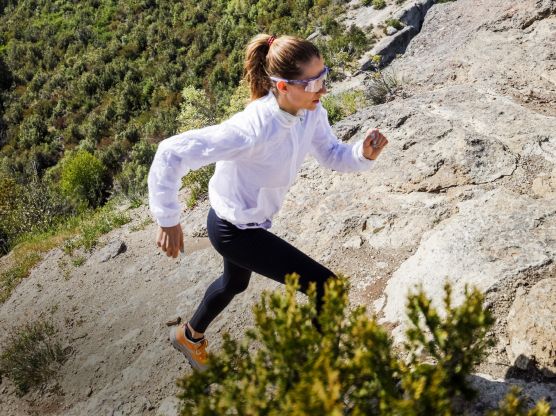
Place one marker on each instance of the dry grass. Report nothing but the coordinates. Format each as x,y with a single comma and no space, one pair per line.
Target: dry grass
31,355
81,231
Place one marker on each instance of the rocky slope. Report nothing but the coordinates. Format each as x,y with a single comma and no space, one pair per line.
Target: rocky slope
465,190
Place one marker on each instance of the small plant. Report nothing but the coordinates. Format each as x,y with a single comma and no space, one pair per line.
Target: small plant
32,355
383,87
78,261
395,23
28,209
63,265
285,366
344,104
379,4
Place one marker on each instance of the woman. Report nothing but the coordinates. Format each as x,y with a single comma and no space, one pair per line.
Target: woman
258,152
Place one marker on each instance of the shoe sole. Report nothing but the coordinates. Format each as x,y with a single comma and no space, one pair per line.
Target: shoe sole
184,350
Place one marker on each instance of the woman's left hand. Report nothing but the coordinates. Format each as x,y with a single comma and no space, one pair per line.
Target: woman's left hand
373,144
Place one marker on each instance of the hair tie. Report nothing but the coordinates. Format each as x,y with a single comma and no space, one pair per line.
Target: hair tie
270,40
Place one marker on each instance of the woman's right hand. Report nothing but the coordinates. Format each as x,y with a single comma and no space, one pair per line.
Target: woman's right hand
170,240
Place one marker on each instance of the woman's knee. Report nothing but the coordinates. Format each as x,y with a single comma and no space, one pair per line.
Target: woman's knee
321,282
319,277
237,280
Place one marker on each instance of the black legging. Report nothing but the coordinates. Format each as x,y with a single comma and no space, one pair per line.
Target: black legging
248,250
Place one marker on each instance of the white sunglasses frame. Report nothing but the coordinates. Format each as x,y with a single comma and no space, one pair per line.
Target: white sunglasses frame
311,83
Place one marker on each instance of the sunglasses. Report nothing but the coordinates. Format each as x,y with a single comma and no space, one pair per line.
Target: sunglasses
312,84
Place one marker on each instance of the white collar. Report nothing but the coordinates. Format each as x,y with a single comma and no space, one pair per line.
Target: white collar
285,117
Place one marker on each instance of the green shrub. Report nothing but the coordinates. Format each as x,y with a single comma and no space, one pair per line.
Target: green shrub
82,178
197,183
31,355
342,49
132,180
197,112
395,23
344,104
238,100
285,366
28,209
379,4
33,131
513,405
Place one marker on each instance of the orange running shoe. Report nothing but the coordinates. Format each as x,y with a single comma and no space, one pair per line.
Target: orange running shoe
195,352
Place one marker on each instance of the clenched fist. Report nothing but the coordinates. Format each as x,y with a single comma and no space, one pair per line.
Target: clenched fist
170,240
373,144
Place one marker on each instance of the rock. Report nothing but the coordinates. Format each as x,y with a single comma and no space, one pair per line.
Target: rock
314,35
487,241
168,407
413,14
388,48
111,250
194,222
532,328
545,184
354,242
491,391
462,191
390,30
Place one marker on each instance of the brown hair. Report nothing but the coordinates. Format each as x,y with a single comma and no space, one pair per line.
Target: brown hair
283,58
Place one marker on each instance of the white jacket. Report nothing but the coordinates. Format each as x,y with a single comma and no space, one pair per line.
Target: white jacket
258,153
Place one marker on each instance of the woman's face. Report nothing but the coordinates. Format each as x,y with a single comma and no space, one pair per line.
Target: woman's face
294,97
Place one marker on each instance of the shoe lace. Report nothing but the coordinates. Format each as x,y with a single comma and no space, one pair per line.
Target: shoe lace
200,349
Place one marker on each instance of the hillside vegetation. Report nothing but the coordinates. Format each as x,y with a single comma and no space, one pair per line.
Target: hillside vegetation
87,88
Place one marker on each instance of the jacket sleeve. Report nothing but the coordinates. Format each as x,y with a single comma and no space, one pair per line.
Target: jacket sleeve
190,150
332,153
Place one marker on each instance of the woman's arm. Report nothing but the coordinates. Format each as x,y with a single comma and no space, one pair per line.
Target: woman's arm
190,150
332,153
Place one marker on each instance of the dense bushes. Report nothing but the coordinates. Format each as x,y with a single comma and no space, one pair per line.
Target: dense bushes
285,367
132,181
106,75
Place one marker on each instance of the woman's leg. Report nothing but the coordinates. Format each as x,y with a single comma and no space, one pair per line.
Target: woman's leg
234,280
255,250
269,255
219,294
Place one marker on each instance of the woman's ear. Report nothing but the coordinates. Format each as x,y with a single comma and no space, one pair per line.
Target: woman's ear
282,86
